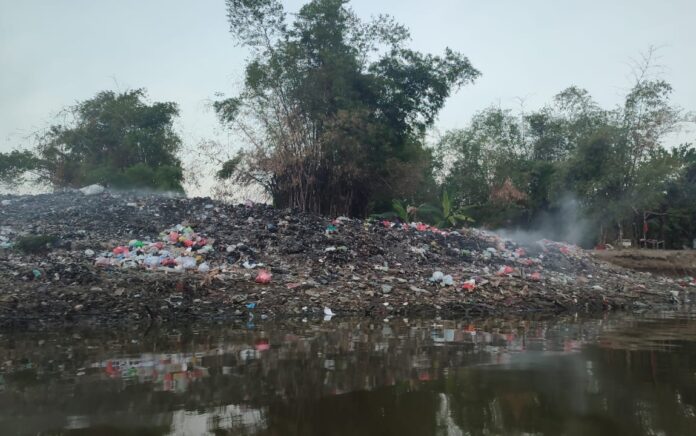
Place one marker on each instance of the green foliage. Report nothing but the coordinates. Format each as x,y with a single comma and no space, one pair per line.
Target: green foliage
399,211
114,139
679,202
613,161
444,215
34,244
229,168
14,167
334,109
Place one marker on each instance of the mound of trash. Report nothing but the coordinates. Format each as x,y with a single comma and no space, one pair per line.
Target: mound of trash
122,257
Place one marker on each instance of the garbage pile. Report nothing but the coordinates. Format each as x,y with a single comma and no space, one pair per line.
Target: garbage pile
178,249
105,256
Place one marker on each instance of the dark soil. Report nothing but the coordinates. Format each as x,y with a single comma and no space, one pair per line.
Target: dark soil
675,263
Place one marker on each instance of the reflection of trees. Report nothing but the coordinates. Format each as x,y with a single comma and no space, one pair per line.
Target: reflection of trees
422,378
600,391
657,387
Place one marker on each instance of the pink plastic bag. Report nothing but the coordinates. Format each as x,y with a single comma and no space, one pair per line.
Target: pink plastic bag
263,277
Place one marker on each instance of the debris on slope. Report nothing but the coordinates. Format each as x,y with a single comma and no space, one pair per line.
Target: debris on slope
123,257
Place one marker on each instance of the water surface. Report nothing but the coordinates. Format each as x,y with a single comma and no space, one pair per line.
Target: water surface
609,375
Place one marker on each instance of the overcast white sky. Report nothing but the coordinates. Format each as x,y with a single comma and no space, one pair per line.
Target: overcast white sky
56,52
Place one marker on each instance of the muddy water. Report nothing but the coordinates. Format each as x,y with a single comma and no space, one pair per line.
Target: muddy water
611,375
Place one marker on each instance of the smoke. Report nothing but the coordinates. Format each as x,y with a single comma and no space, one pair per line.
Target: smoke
565,223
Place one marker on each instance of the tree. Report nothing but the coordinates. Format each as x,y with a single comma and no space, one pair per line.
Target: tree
679,202
614,162
116,139
334,109
489,157
15,166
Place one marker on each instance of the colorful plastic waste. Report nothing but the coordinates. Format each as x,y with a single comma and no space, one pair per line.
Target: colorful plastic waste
179,248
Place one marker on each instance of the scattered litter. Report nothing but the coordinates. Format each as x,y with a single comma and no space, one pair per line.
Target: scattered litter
437,276
215,255
440,277
92,190
469,285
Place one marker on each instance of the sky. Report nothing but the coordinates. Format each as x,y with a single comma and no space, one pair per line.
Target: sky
57,52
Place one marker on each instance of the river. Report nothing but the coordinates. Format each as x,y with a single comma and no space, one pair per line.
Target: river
611,374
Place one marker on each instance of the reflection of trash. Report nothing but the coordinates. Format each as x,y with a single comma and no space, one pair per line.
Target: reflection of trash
262,345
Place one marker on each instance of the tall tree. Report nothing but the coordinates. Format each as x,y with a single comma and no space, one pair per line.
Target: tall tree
334,109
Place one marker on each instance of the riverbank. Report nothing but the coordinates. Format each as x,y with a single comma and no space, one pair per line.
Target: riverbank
116,258
676,263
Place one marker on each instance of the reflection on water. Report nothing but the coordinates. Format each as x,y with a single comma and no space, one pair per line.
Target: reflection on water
569,375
